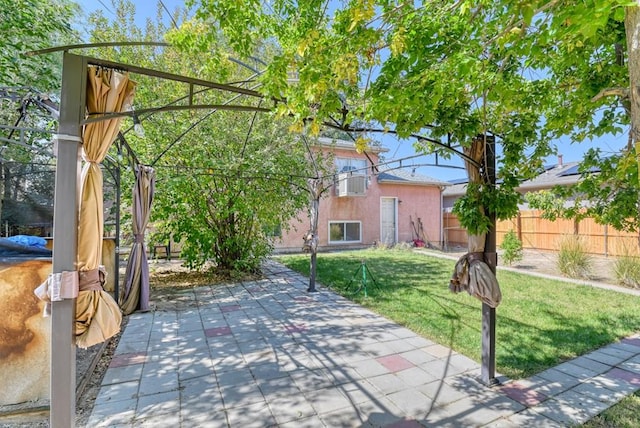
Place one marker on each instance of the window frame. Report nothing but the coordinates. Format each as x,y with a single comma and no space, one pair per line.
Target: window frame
344,222
345,170
346,162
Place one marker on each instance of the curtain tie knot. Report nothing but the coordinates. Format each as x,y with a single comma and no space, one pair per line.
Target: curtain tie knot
92,280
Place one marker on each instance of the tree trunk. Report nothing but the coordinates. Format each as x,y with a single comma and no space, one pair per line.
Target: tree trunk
475,271
312,272
6,193
632,30
312,236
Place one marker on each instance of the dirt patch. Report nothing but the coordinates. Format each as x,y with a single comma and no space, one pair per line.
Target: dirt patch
546,262
602,268
171,282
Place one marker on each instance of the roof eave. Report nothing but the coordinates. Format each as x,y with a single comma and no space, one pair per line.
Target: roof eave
347,145
410,183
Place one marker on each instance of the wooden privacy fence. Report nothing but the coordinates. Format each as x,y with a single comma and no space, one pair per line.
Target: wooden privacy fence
537,233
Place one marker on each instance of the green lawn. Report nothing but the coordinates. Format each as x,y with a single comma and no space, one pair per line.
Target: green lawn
540,322
622,415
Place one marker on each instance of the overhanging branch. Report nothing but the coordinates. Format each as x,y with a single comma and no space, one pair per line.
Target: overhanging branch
611,92
438,143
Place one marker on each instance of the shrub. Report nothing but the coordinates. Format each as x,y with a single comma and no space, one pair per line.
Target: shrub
380,245
573,259
511,248
627,270
399,246
403,246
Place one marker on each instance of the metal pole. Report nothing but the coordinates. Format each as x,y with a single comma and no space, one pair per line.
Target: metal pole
65,237
116,279
488,370
315,190
364,277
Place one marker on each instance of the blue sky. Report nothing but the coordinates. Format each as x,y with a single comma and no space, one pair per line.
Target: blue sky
398,149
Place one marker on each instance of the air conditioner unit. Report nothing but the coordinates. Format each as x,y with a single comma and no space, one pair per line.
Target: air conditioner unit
351,184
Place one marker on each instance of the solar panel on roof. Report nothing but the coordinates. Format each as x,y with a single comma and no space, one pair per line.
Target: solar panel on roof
575,170
571,171
459,181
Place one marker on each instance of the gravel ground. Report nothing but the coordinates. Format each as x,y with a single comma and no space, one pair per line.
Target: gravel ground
545,262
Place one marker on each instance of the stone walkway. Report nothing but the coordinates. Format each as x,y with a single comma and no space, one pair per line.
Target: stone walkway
267,353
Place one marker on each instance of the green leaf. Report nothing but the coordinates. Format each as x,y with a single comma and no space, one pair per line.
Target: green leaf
527,14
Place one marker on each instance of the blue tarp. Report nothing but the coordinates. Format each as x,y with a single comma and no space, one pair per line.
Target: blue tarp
26,245
28,240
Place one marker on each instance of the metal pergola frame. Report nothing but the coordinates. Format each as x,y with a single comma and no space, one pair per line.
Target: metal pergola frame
69,136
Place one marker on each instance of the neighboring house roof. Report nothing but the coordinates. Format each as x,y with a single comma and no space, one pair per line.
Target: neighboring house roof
402,176
564,174
458,189
557,175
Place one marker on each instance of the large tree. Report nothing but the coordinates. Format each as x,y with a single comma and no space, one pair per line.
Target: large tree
232,187
526,72
28,85
31,25
597,61
225,179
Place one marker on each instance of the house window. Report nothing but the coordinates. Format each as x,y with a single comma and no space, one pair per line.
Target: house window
352,177
354,166
274,231
344,232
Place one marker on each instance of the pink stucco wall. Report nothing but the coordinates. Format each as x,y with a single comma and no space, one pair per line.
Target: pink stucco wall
417,202
412,201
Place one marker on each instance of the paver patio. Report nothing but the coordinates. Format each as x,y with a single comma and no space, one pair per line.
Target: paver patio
267,353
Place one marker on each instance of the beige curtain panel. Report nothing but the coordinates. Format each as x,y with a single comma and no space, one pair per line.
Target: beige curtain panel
98,316
473,274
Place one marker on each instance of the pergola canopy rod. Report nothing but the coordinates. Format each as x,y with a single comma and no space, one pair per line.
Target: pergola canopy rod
170,76
142,70
207,84
97,117
67,48
166,149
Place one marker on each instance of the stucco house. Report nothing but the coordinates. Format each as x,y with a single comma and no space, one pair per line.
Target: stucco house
370,203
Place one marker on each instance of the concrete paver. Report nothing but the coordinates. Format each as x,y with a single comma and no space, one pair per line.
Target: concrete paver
267,353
